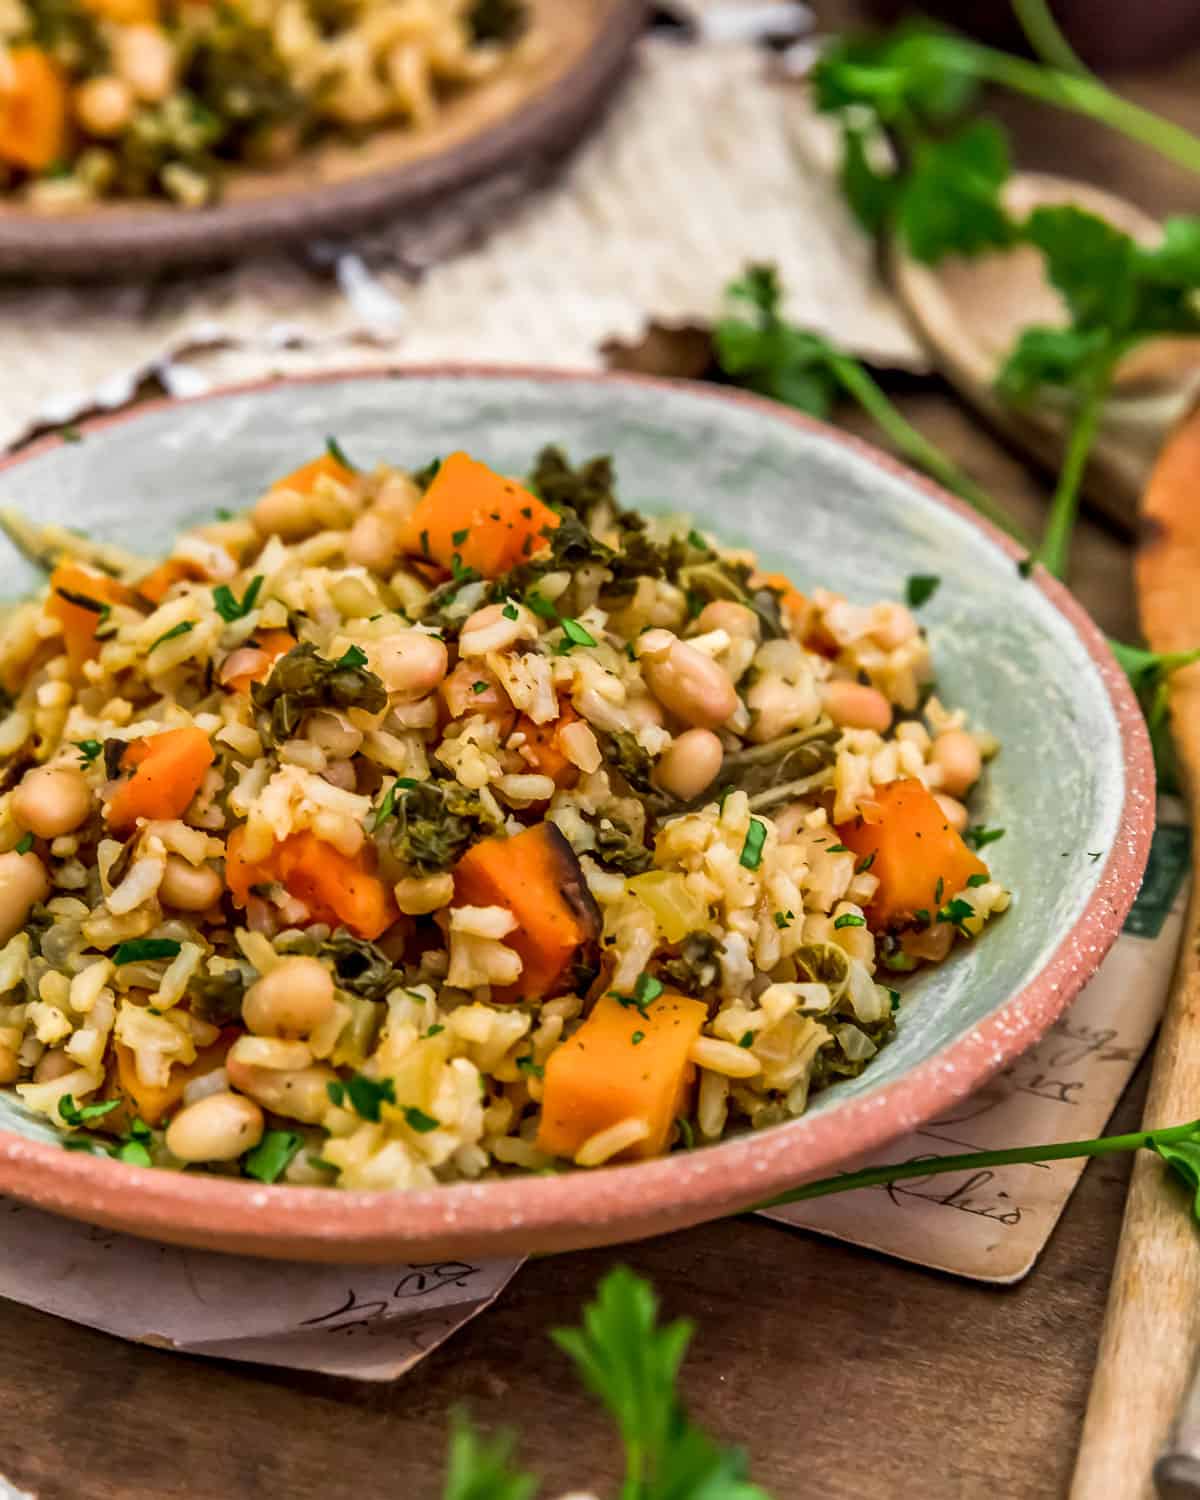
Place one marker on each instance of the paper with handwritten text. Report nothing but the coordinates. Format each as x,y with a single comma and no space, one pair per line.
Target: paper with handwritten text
992,1224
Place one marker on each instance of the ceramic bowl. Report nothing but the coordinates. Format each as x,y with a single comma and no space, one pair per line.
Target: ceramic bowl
1073,785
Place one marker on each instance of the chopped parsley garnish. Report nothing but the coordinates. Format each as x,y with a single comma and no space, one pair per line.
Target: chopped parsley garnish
26,844
978,880
697,541
541,606
938,891
145,950
1025,565
224,513
459,573
784,919
386,808
746,1039
70,433
575,632
1093,856
183,628
416,1119
89,749
479,687
837,849
645,990
269,1159
865,864
756,837
979,836
459,537
354,657
894,997
74,1114
365,1095
686,1134
920,588
849,919
956,912
85,601
226,604
425,542
135,1153
527,1065
510,612
637,1038
436,1030
338,454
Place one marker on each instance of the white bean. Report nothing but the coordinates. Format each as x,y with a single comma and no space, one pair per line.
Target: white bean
284,513
687,683
736,620
957,756
104,105
373,543
219,1127
953,811
189,887
411,663
853,705
690,764
23,883
293,999
334,733
52,800
491,629
54,1064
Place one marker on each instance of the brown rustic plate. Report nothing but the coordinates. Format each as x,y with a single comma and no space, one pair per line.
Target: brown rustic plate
579,49
1073,784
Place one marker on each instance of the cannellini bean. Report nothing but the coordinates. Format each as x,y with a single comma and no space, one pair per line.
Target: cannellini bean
644,712
23,882
687,683
301,1095
143,57
284,513
411,663
736,620
219,1127
418,895
10,1067
490,629
53,1064
52,800
957,756
189,887
104,105
690,764
373,542
292,1000
856,706
333,733
953,811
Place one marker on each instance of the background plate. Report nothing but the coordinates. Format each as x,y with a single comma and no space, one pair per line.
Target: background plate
1073,784
336,188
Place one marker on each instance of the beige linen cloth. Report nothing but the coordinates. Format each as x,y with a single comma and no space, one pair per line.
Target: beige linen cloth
702,164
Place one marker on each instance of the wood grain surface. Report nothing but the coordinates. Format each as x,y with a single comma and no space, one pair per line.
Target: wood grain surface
848,1377
1155,1299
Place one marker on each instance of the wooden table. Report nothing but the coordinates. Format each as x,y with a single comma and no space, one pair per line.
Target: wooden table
848,1376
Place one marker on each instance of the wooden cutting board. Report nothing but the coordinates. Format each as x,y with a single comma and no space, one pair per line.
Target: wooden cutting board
1152,1327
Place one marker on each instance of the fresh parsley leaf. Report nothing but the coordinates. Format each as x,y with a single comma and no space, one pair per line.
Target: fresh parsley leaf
366,1095
74,1114
135,1153
920,588
183,628
746,1039
386,808
783,920
849,919
687,1136
338,454
956,912
950,203
752,849
354,657
575,632
88,749
25,844
527,1065
270,1158
865,863
226,604
510,611
145,950
416,1119
979,836
638,1038
481,1468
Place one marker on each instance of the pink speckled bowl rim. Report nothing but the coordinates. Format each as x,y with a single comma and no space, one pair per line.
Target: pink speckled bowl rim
620,1202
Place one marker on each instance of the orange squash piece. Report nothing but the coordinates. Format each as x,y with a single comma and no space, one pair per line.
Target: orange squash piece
33,110
160,580
154,1102
470,512
168,770
337,889
543,748
77,601
304,479
621,1062
125,12
538,878
913,848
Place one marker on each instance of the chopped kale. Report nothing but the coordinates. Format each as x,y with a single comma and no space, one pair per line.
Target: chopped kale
622,752
217,998
435,822
361,967
619,848
692,968
303,680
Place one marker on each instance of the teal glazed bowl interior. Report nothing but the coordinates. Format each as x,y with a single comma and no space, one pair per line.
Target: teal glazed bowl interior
1073,779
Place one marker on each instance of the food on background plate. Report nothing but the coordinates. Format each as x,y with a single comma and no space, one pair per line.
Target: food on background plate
415,827
158,98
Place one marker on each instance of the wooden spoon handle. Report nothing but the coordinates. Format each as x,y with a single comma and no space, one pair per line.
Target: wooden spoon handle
1152,1326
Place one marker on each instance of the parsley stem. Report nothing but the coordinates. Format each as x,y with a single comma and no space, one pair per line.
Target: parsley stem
914,446
1110,1145
1055,546
1045,36
1083,95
